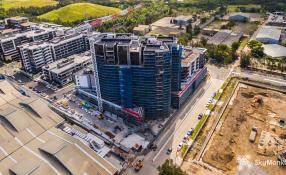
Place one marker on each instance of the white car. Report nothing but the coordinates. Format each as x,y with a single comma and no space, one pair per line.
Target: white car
180,146
190,131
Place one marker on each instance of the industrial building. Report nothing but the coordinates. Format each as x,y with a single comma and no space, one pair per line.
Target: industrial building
269,35
239,17
35,55
276,20
275,50
139,73
226,37
183,20
61,71
31,142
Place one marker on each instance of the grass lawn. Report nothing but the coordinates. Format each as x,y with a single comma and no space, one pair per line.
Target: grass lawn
7,4
247,28
78,12
217,24
198,126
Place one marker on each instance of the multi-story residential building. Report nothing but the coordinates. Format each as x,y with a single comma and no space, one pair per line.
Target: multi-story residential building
35,55
192,72
62,71
134,73
9,43
143,73
65,46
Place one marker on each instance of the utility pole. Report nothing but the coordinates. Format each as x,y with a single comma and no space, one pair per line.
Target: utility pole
96,77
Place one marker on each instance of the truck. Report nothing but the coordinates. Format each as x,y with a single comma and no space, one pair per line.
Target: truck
138,165
253,134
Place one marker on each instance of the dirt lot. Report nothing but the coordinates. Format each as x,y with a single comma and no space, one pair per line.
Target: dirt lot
246,28
230,149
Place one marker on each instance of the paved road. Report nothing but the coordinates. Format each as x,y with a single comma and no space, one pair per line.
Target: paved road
185,119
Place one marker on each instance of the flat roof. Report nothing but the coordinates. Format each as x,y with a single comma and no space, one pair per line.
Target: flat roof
164,27
274,50
31,143
67,63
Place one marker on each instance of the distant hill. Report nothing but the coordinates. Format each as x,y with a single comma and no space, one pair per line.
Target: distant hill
78,12
7,4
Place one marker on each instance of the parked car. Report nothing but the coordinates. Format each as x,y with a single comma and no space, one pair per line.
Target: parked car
200,116
180,146
190,131
169,151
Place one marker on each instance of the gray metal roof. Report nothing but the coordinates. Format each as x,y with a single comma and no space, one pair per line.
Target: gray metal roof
275,50
269,32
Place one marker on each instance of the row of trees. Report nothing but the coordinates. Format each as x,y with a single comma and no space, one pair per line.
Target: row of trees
145,15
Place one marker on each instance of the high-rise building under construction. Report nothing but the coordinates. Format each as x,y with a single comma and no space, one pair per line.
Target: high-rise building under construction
142,72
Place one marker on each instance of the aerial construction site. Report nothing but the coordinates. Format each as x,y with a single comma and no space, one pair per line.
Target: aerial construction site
250,137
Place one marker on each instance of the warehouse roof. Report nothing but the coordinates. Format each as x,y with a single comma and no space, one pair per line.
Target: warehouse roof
274,50
269,32
31,143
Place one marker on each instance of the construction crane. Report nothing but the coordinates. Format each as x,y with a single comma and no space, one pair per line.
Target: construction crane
96,77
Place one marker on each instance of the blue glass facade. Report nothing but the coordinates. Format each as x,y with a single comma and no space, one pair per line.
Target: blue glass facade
134,72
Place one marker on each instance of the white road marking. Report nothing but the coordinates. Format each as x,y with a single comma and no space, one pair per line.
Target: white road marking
280,82
6,154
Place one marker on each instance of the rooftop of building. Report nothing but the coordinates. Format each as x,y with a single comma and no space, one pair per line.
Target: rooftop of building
66,38
65,64
276,19
269,32
246,15
34,45
165,27
225,37
17,18
183,17
36,29
274,50
32,144
191,54
149,42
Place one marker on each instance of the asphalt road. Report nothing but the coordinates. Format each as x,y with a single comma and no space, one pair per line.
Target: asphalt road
185,119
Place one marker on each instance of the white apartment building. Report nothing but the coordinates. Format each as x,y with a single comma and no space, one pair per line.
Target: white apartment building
35,55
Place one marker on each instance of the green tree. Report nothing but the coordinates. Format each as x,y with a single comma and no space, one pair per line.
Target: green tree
234,48
197,30
183,39
189,30
169,168
244,60
256,48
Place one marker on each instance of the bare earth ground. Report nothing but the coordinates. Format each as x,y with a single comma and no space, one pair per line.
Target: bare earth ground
230,149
